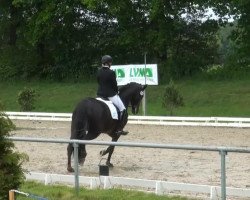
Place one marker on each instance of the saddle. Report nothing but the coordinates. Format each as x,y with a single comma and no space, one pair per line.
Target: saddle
113,109
117,115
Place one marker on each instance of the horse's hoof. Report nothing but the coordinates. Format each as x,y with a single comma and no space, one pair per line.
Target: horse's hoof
102,152
70,169
81,161
110,165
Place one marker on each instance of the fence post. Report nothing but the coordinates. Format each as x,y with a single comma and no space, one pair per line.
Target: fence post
223,174
11,195
106,182
158,188
75,145
213,193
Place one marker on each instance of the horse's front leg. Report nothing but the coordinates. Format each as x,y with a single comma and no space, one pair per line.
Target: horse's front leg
110,151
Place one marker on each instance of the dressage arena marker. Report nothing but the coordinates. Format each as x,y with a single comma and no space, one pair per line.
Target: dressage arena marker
32,196
103,168
146,120
222,151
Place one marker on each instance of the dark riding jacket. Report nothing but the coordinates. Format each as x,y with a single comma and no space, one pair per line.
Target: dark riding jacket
107,84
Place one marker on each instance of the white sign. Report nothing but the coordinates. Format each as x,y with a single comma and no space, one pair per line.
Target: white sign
136,73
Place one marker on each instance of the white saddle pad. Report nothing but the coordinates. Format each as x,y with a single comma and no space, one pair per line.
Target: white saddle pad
112,108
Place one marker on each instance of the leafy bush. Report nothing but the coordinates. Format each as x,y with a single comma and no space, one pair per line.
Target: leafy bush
172,98
11,172
26,99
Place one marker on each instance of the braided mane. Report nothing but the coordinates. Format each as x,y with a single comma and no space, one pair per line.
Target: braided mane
125,87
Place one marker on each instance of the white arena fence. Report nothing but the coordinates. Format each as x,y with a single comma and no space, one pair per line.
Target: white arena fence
147,120
160,187
156,186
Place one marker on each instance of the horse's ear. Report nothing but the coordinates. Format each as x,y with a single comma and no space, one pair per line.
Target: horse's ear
144,87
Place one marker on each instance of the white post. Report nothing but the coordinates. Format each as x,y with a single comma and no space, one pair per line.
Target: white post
95,182
107,182
46,182
158,188
213,193
144,98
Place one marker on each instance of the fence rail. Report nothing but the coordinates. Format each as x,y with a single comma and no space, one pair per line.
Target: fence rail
222,150
149,120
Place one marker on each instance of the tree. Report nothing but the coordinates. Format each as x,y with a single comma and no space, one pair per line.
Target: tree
11,172
65,39
172,98
180,45
239,10
242,35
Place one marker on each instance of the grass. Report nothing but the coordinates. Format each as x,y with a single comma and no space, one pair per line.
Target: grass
53,97
59,192
229,98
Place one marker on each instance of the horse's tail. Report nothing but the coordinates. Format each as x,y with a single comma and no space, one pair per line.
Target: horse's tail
79,123
79,128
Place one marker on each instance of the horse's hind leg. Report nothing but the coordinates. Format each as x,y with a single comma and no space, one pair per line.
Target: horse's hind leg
82,154
70,150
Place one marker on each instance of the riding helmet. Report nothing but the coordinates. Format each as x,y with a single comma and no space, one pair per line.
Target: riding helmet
106,59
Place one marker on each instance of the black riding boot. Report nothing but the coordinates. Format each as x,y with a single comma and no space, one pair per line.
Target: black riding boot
122,116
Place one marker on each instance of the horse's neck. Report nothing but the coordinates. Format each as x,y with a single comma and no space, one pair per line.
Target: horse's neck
124,100
125,97
126,93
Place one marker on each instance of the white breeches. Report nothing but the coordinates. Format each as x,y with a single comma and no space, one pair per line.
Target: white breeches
118,102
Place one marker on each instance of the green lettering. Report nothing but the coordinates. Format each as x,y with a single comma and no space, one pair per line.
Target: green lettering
149,72
140,72
131,72
120,73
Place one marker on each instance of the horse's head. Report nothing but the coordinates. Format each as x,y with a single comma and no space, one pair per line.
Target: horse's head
132,94
136,98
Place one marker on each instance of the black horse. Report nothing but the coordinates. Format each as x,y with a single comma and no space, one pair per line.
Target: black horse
92,117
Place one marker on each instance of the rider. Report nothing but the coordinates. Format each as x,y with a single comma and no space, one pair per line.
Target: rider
107,87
